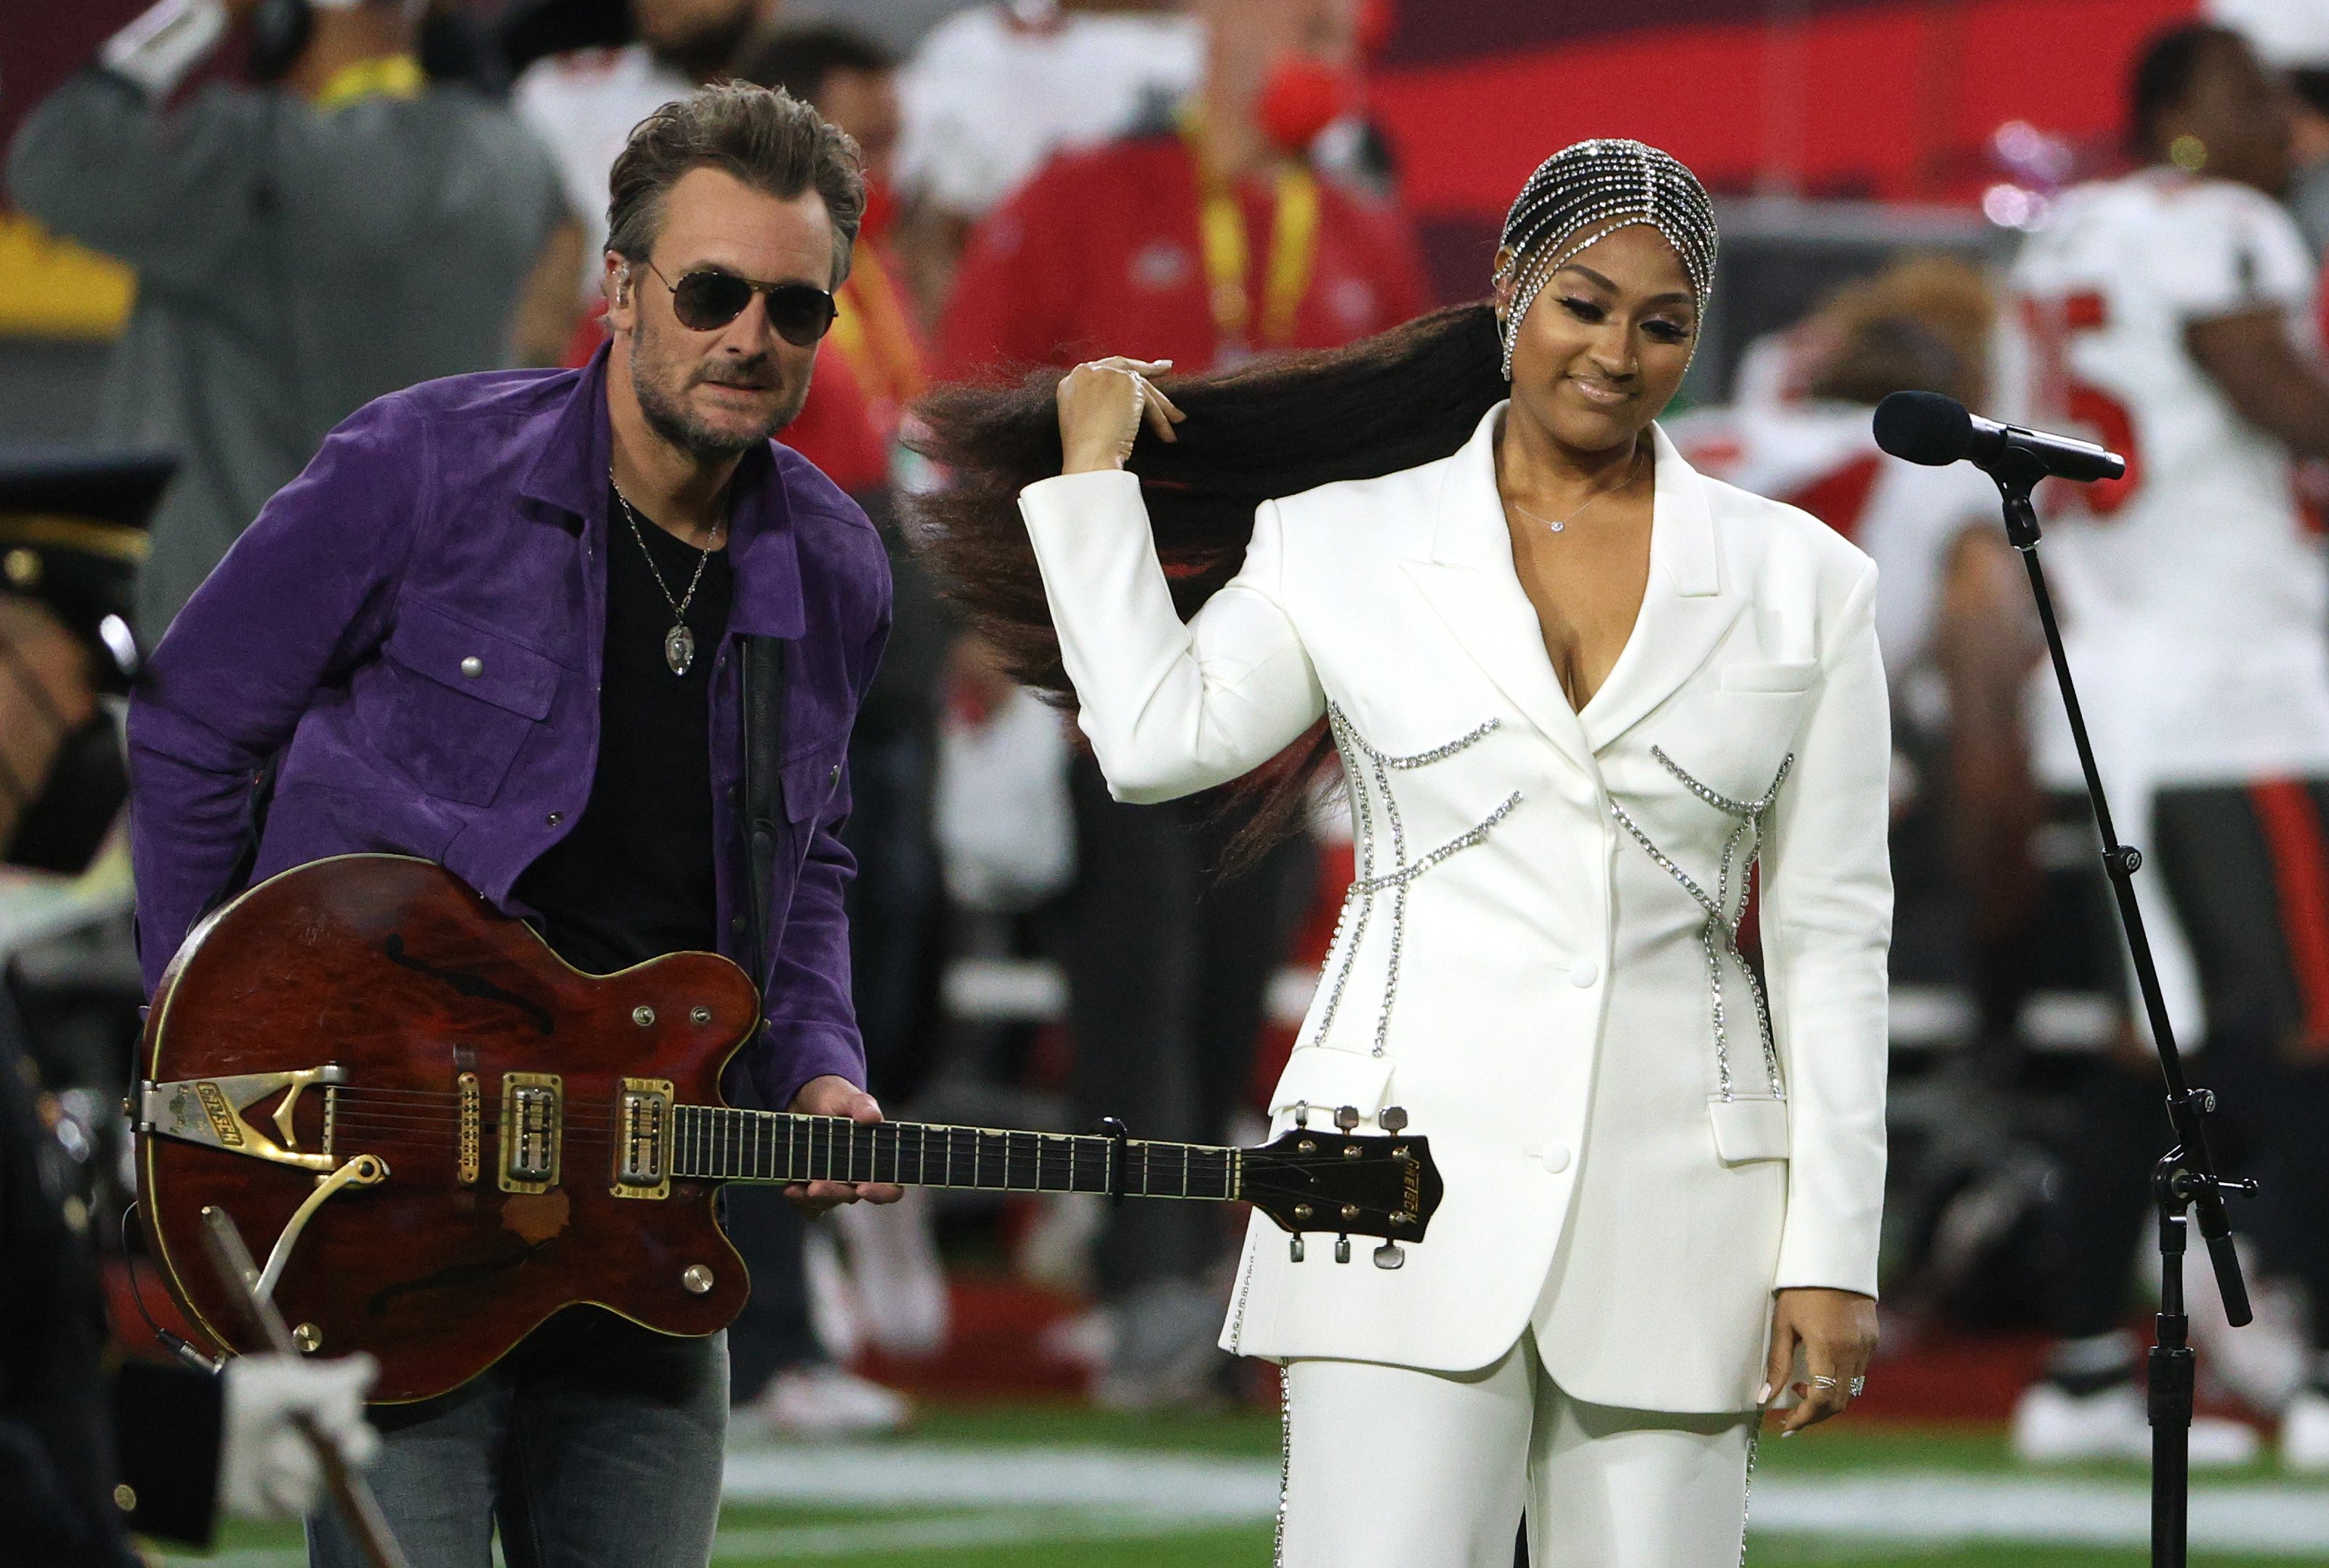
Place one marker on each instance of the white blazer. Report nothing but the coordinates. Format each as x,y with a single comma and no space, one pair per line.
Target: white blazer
1515,968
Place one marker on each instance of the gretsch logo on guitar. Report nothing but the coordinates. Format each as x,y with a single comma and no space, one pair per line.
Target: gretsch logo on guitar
468,1135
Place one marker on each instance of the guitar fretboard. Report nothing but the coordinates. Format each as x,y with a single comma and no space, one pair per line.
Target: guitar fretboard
717,1144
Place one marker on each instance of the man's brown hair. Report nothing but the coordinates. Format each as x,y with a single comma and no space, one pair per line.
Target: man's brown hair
771,141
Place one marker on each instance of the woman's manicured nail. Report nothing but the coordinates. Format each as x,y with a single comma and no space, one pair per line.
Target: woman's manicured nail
1763,1394
1787,1431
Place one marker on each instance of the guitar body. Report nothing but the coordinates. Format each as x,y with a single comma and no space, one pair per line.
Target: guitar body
406,986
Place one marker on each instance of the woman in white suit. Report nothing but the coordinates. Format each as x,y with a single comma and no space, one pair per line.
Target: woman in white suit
1583,697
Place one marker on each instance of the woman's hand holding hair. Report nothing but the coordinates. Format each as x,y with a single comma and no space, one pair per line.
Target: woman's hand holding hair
1837,1332
1101,404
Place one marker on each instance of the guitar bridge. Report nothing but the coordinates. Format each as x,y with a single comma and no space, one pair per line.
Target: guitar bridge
531,1124
641,1118
210,1111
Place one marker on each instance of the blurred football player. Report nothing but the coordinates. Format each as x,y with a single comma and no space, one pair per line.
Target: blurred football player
2168,314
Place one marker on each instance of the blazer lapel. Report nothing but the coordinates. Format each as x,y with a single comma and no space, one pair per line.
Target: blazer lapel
1686,609
1470,582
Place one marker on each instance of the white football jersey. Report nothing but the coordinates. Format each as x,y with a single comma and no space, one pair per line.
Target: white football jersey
581,105
1823,458
987,97
2195,588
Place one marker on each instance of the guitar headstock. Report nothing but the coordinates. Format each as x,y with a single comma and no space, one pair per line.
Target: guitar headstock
1342,1182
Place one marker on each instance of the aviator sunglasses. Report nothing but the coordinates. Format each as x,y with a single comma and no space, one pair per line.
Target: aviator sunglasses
707,301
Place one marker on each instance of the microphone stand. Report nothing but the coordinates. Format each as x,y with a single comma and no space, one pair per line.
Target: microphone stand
2186,1178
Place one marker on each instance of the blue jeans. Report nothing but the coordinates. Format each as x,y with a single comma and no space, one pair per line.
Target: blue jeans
595,1444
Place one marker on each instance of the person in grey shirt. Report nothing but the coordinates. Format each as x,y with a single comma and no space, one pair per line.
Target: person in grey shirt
301,247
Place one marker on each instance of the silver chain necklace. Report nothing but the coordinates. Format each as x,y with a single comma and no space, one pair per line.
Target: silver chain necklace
679,642
1633,473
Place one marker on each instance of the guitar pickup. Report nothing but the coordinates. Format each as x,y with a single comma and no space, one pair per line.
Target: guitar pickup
532,1125
642,1133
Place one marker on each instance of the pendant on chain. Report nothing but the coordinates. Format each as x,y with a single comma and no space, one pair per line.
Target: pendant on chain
679,649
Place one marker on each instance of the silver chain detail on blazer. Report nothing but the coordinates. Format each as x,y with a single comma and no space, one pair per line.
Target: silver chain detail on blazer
1366,776
1286,1462
1721,934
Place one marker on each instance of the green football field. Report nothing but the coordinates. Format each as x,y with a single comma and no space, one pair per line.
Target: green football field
1047,1486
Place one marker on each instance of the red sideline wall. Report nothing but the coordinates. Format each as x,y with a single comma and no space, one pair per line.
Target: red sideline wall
42,41
1899,95
1893,99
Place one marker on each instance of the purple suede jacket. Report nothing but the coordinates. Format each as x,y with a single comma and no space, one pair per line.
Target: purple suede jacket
412,630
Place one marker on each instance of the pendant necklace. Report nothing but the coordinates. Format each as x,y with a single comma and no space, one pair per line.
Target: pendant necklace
1633,472
679,642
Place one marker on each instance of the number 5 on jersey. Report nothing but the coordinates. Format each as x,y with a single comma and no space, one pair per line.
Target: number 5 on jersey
2066,402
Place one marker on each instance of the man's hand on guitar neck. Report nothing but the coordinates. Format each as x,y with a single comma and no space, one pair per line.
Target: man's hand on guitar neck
832,1095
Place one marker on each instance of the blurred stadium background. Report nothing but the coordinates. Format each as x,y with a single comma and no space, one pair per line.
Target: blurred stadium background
1839,136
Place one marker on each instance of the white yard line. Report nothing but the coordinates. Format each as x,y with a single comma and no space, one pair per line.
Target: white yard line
1943,1507
1925,1506
991,1496
952,1532
1194,1486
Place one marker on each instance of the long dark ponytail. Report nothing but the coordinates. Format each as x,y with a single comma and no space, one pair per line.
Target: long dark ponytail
1264,429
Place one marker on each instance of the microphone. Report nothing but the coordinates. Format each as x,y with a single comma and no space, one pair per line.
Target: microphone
1922,427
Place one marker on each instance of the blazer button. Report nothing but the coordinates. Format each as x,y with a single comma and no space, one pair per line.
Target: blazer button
833,778
473,666
1555,1156
1583,973
555,818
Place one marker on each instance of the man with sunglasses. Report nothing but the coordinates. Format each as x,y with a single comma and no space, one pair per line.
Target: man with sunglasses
594,642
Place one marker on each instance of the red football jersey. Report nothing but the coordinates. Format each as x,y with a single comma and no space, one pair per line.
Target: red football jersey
1100,253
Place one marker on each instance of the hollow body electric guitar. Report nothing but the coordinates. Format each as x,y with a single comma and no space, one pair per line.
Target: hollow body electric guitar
441,1133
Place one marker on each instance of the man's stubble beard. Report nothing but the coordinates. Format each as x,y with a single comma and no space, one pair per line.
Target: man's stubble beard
668,416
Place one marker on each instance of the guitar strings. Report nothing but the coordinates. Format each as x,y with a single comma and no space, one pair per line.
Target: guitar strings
425,1120
1203,1163
355,1102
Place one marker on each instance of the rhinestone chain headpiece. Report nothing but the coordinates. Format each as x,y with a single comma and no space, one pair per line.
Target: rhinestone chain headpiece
1589,191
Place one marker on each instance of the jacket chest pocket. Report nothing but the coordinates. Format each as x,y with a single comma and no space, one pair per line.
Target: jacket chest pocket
1733,735
466,699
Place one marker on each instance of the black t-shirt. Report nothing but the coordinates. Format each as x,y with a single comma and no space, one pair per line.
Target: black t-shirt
633,879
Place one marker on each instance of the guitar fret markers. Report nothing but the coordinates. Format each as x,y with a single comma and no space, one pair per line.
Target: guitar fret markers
719,1144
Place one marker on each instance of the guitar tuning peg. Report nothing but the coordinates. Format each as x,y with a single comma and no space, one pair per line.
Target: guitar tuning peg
1390,1255
1347,1119
1301,1113
1392,1120
1294,1248
1342,1249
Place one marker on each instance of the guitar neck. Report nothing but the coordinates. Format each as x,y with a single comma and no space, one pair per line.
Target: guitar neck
711,1143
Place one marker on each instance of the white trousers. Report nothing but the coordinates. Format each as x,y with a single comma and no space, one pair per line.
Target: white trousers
1388,1466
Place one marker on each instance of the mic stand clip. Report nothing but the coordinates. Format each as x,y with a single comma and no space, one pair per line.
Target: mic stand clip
2186,1179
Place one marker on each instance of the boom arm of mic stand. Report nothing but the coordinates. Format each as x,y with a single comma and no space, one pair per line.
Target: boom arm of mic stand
2197,1182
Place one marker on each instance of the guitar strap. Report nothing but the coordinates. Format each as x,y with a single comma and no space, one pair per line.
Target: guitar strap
763,691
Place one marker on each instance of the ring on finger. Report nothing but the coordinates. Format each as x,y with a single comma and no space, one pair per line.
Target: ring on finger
1821,1380
1858,1387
